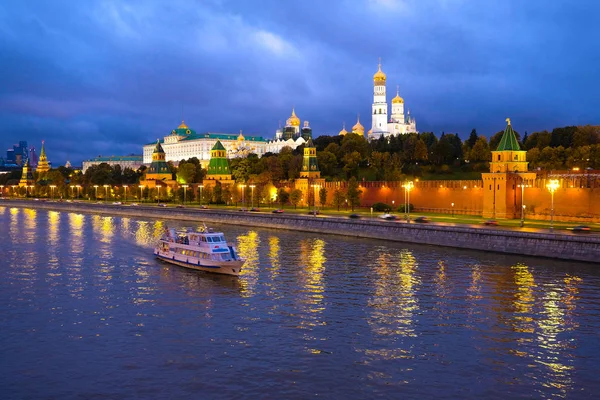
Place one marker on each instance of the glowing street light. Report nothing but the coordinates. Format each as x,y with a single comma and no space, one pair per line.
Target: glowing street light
552,186
158,196
523,186
78,187
14,190
315,199
453,209
184,190
72,194
105,192
252,195
242,187
31,187
96,192
141,189
125,187
200,187
408,187
52,187
1,190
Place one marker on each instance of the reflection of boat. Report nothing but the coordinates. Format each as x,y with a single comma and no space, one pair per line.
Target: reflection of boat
204,250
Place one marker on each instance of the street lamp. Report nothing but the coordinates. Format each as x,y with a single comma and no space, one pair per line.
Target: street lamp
552,186
141,189
158,196
96,192
52,187
72,194
522,186
252,195
1,190
31,187
14,190
105,193
452,209
242,187
200,187
125,187
78,187
184,192
408,187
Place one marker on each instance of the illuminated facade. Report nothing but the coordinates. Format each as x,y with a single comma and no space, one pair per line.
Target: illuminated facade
43,166
291,135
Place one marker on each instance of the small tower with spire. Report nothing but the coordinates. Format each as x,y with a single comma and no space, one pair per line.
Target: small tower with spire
27,175
508,172
43,165
380,107
310,166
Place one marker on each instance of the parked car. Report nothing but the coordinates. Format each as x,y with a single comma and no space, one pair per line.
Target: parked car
254,209
581,229
278,211
134,204
117,203
162,205
422,219
491,222
313,212
203,207
179,206
389,217
354,216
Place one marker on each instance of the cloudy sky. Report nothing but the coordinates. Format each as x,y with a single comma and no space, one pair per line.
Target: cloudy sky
106,76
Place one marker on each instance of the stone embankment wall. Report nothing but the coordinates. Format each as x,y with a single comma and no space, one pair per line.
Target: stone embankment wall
553,245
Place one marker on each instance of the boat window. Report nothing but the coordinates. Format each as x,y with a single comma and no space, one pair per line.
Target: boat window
222,238
210,239
203,239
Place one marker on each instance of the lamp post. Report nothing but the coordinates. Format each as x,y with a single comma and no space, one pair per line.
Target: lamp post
141,192
52,187
252,195
200,187
1,190
14,190
408,187
78,187
31,187
72,195
184,192
242,187
95,192
452,210
105,192
158,195
125,187
522,185
315,199
552,186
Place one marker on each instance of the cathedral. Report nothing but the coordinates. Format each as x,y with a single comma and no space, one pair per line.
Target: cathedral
399,122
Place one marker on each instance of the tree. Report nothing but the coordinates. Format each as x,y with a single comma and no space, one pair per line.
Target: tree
322,196
295,197
338,198
282,196
472,138
327,162
186,173
353,193
351,162
480,151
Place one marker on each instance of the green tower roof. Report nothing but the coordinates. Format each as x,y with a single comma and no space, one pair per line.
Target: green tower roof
158,148
43,152
218,146
509,139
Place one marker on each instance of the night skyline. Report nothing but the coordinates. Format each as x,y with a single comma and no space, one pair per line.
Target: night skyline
106,77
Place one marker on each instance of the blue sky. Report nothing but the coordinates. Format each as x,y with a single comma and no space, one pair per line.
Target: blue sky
104,77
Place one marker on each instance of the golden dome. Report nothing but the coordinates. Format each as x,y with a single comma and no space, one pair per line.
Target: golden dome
358,128
182,125
379,77
397,99
343,131
293,120
241,137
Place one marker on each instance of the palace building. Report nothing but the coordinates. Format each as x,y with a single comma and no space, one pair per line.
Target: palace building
384,124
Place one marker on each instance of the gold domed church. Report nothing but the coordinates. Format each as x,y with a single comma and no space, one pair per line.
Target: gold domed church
503,186
399,122
291,135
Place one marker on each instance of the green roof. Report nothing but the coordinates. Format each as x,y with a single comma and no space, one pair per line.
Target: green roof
509,140
218,146
219,136
158,148
117,158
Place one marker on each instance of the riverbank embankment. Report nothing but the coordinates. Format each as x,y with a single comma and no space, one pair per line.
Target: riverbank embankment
539,244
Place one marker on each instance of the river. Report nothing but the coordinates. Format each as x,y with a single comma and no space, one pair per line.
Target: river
88,312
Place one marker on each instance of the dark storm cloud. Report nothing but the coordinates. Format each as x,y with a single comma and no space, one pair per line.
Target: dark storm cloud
105,77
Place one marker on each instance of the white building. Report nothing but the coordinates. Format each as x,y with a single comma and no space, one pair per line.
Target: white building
383,124
291,135
133,162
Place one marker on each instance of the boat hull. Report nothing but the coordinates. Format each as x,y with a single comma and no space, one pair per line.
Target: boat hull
233,267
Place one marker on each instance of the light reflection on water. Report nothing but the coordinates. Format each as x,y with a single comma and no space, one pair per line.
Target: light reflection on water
309,316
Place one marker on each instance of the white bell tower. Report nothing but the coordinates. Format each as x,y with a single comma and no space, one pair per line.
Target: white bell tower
380,107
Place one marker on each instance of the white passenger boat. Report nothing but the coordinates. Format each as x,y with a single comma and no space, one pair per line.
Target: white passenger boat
203,250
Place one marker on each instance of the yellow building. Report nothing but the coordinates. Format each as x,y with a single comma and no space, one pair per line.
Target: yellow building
504,185
43,165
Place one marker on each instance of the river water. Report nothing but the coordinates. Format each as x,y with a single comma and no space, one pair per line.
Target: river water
88,313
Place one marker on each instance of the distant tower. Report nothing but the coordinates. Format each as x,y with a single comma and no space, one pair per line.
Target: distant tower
43,165
310,166
306,131
343,132
380,108
508,170
27,175
398,108
218,167
292,127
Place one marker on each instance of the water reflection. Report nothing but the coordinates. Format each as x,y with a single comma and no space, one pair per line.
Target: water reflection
75,280
248,249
